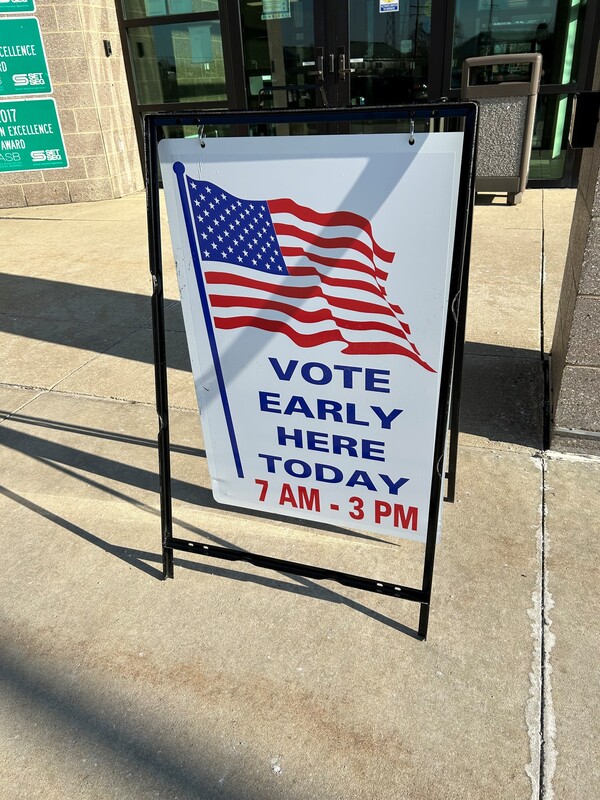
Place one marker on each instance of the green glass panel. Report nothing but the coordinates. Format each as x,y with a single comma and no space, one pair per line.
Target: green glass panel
550,137
178,63
135,9
501,27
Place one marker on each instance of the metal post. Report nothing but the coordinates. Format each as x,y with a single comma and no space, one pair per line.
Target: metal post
159,343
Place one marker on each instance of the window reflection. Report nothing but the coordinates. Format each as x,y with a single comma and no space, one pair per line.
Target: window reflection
279,56
502,27
178,63
389,53
550,136
134,9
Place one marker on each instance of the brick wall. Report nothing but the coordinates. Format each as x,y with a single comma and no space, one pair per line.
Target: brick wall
576,345
93,106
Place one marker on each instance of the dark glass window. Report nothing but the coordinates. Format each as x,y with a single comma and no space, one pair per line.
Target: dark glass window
279,56
134,9
550,137
501,27
389,53
178,63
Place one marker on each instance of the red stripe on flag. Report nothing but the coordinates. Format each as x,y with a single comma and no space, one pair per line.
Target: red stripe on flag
302,315
339,263
337,242
300,292
286,206
343,283
315,339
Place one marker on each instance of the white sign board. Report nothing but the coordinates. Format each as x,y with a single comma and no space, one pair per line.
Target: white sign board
314,275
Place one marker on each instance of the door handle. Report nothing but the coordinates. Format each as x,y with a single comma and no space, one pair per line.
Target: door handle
342,69
318,72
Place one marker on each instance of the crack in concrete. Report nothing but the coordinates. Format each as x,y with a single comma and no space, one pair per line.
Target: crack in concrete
539,711
547,716
533,706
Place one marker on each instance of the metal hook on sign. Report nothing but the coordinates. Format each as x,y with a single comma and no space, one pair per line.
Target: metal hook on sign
202,146
411,135
440,466
455,303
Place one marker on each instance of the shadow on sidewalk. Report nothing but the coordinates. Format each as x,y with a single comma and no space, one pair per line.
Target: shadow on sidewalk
503,395
132,755
133,557
85,317
502,387
80,464
77,464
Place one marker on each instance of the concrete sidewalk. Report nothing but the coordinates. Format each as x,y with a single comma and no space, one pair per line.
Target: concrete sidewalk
234,683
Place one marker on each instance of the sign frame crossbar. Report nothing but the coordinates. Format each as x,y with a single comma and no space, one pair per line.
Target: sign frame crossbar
453,351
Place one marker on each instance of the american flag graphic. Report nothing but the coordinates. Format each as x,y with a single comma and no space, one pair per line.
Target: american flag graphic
285,268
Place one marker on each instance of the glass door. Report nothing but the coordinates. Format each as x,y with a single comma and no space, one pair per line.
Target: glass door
283,49
313,53
388,52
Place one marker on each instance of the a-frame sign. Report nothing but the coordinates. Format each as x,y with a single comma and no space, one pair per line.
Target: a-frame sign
323,282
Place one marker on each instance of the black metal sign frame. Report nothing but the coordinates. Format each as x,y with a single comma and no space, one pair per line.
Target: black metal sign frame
453,350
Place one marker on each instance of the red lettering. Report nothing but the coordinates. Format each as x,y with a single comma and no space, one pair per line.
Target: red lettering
287,496
406,518
382,509
263,491
310,501
357,512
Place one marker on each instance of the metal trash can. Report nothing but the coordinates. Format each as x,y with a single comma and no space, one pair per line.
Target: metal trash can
506,119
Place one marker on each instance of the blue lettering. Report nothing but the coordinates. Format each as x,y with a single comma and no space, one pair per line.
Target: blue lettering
376,380
298,405
387,419
329,407
317,441
283,437
291,465
269,401
336,475
325,473
370,451
289,370
270,461
334,443
348,380
393,486
351,415
360,478
307,368
339,443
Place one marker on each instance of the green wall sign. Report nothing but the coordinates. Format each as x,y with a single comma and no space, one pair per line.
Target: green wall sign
23,67
12,6
30,136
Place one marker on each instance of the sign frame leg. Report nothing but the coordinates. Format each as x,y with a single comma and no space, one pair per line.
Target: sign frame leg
159,346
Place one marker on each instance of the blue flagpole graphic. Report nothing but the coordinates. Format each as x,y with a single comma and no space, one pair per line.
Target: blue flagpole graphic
179,170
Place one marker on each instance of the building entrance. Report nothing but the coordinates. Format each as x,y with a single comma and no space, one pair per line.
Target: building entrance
251,54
